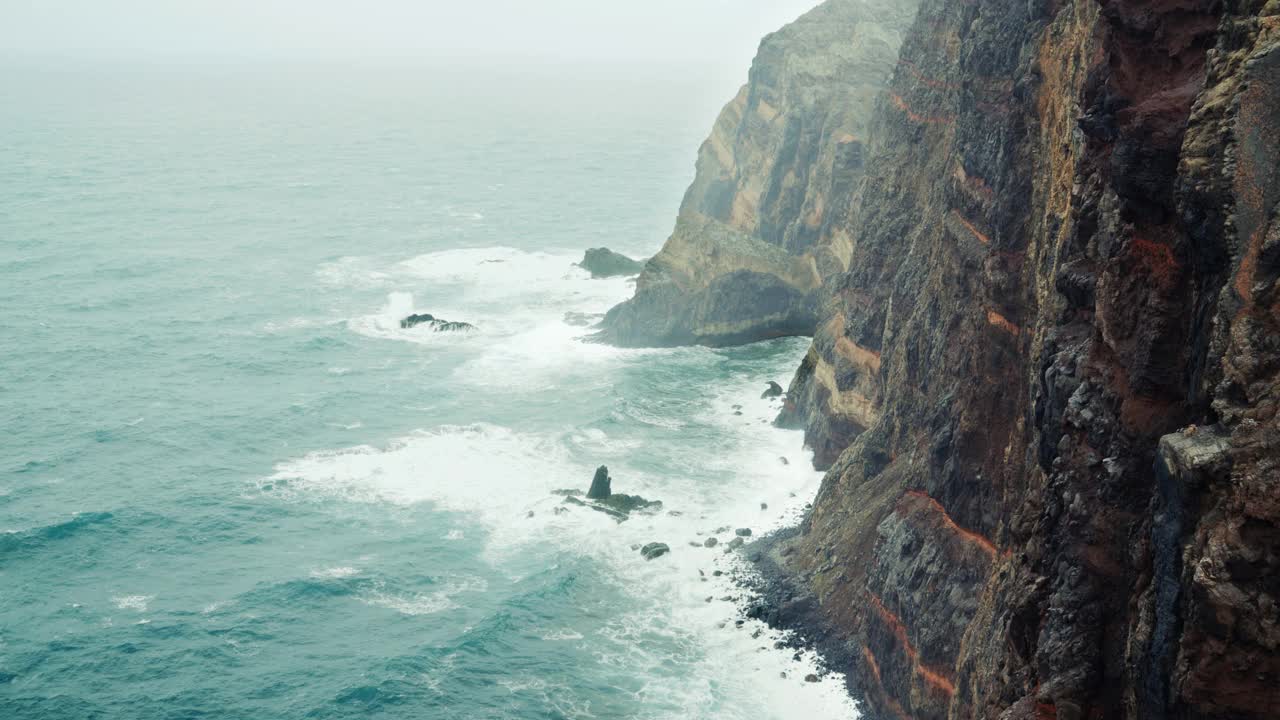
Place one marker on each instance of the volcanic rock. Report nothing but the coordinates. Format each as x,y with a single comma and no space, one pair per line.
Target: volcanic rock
1046,381
654,550
601,485
436,324
603,263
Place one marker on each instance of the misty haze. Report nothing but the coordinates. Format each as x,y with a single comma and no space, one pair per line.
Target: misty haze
678,359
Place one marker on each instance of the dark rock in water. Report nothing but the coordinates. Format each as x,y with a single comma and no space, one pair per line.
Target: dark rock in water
603,262
580,319
631,503
742,532
711,542
615,514
601,498
811,678
435,323
736,543
600,485
764,506
785,461
654,550
774,390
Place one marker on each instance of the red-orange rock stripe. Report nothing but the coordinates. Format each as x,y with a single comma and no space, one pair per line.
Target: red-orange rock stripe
931,677
894,706
982,237
982,542
922,78
913,116
1002,322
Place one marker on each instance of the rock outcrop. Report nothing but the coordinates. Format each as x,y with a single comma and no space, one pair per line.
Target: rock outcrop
601,498
603,263
434,323
601,485
1047,384
760,230
654,550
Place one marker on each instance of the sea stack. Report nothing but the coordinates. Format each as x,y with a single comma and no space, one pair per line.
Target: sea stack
600,485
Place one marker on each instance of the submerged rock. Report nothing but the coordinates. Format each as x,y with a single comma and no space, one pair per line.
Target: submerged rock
654,550
711,542
603,262
742,532
774,390
435,323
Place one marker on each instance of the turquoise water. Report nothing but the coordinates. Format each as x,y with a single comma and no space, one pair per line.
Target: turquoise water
233,487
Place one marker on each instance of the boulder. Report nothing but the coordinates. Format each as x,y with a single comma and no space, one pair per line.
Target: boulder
603,262
435,323
774,390
742,532
654,550
710,542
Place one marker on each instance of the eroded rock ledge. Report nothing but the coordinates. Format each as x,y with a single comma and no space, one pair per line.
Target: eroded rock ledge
760,230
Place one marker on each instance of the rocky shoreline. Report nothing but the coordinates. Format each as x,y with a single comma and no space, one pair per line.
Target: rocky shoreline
776,599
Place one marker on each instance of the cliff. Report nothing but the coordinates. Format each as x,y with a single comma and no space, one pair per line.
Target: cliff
760,230
1047,381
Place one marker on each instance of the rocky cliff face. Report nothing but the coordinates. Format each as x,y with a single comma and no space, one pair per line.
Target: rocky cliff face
1047,384
761,228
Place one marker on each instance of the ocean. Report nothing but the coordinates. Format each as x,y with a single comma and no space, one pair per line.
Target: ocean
232,486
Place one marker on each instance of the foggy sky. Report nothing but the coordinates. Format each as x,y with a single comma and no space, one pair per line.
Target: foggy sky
677,30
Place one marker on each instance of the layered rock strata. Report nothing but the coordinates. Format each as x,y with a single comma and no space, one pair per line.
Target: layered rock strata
1047,384
760,230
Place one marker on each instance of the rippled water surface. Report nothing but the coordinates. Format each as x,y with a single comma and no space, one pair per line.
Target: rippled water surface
231,486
